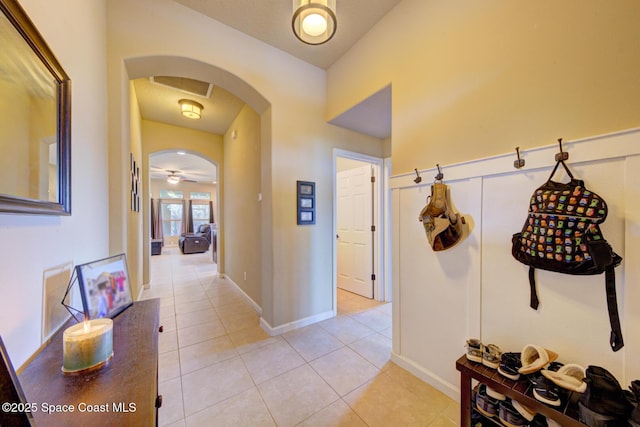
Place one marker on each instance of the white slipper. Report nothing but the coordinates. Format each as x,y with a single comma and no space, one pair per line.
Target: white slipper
569,376
534,358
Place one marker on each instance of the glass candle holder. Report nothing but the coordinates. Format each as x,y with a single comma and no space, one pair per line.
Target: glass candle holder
87,345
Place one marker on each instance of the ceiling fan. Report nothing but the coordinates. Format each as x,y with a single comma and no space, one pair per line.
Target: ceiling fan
174,178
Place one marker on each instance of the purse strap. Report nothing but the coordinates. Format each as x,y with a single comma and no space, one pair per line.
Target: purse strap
566,168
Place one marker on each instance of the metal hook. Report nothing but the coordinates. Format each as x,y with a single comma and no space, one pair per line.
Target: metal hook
520,162
418,179
562,155
439,176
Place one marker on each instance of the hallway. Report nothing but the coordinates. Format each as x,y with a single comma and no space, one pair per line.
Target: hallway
219,368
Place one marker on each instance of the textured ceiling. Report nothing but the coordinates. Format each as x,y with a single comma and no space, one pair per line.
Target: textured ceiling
187,166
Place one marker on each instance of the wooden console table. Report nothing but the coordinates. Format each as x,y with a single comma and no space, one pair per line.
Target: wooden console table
124,392
566,415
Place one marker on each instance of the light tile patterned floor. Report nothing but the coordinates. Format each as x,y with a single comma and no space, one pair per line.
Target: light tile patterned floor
219,368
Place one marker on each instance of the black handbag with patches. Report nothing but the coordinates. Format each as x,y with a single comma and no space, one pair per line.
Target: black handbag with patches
562,234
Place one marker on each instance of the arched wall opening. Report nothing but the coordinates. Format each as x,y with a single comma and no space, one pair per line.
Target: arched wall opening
143,141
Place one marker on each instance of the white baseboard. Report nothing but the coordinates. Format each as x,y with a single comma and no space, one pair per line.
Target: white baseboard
254,304
427,376
279,330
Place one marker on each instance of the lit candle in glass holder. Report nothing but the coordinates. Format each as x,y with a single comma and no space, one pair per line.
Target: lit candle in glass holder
87,345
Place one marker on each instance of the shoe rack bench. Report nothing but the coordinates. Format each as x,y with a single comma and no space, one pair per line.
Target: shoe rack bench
566,414
122,393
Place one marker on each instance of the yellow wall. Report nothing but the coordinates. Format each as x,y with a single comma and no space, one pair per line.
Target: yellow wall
473,79
296,141
134,219
158,137
242,208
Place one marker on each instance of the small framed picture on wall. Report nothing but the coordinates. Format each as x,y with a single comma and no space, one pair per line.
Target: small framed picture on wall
306,206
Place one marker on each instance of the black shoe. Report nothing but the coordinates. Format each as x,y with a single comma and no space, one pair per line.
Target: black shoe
509,416
603,403
544,390
634,401
485,404
509,365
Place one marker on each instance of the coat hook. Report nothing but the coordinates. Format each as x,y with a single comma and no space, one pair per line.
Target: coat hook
562,155
520,162
418,179
439,176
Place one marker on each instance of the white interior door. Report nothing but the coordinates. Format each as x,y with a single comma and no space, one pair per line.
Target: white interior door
355,239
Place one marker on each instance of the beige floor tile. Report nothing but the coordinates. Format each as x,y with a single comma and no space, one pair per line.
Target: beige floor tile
201,332
168,323
206,353
172,409
168,366
338,414
374,319
344,370
213,384
294,396
167,341
385,402
185,320
252,338
241,321
191,306
244,409
375,348
346,329
312,342
196,295
271,360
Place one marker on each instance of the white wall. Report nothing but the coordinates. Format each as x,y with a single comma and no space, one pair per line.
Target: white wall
34,244
477,290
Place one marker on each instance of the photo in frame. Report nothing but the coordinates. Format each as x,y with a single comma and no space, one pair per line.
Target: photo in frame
306,205
105,287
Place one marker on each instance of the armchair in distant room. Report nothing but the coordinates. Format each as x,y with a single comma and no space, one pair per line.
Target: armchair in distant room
196,242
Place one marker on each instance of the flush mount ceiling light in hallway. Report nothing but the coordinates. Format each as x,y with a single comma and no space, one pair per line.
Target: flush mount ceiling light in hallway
314,21
190,109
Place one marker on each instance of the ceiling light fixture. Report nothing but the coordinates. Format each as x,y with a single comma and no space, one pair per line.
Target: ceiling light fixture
190,109
314,21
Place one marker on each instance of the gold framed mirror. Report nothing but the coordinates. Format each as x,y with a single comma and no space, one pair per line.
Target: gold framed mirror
35,120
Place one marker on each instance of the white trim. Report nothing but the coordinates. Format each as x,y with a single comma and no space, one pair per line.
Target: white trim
386,295
618,144
379,243
279,330
428,377
254,304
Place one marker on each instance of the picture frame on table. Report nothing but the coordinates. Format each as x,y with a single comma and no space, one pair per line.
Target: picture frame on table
105,287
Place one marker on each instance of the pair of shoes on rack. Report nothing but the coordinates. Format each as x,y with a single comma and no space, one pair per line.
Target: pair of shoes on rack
545,391
509,365
493,404
489,355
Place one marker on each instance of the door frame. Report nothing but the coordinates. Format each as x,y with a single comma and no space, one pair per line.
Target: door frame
381,290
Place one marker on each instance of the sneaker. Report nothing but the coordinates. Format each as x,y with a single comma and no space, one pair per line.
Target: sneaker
509,416
491,356
544,390
485,404
474,350
509,365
